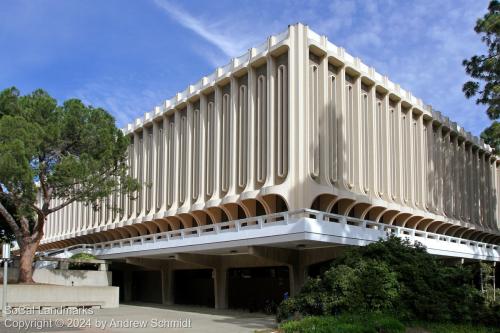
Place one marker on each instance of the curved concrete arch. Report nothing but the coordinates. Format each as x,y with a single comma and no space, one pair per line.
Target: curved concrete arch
423,224
432,227
93,238
132,230
187,220
459,232
106,235
151,226
163,225
489,238
175,222
361,209
444,228
101,237
400,219
466,234
451,230
275,203
375,212
413,221
141,229
342,206
202,218
235,211
65,243
322,202
254,207
218,214
388,216
116,235
476,235
124,233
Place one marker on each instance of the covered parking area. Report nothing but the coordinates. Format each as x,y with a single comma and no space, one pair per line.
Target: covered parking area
255,278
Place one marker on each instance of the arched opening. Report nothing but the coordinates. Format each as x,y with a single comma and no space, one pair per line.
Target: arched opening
163,225
374,213
433,226
388,216
400,219
423,224
275,203
343,206
217,214
451,231
151,226
254,207
235,211
202,218
412,222
359,210
322,202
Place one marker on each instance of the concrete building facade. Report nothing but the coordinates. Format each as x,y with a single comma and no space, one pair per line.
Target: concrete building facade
295,133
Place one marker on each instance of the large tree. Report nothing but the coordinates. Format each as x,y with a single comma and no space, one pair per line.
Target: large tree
485,72
71,152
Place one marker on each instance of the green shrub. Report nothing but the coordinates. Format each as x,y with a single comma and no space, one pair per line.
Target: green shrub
393,276
368,323
83,265
455,328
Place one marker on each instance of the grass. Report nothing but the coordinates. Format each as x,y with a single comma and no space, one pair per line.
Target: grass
369,323
450,328
374,323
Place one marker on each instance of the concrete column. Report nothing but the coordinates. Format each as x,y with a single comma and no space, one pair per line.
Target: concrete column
298,274
167,285
220,287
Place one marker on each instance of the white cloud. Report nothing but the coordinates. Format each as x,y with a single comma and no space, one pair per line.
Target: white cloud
123,101
220,35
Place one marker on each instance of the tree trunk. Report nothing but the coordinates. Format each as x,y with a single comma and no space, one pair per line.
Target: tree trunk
27,254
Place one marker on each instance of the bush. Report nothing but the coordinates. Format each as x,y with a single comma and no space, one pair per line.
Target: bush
393,276
368,323
83,265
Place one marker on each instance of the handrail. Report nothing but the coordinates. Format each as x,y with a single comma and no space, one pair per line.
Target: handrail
287,217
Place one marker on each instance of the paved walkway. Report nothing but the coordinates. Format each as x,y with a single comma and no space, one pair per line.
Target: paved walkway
141,318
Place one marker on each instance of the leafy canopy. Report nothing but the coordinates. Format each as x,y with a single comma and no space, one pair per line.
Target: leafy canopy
484,69
393,276
72,151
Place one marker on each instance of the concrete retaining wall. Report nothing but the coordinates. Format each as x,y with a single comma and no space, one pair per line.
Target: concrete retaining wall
64,277
51,295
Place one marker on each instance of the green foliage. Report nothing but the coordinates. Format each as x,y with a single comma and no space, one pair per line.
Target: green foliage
392,276
83,265
6,234
72,152
365,323
83,256
485,70
452,328
491,136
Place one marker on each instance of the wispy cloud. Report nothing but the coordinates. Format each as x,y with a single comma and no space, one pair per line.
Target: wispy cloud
123,101
226,40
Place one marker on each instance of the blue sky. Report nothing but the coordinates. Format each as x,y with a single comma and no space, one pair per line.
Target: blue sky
128,56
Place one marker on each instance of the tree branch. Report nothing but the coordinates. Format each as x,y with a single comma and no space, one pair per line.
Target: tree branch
64,204
10,221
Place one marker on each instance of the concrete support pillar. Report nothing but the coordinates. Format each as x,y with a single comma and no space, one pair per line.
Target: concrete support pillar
220,287
298,275
127,286
167,285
